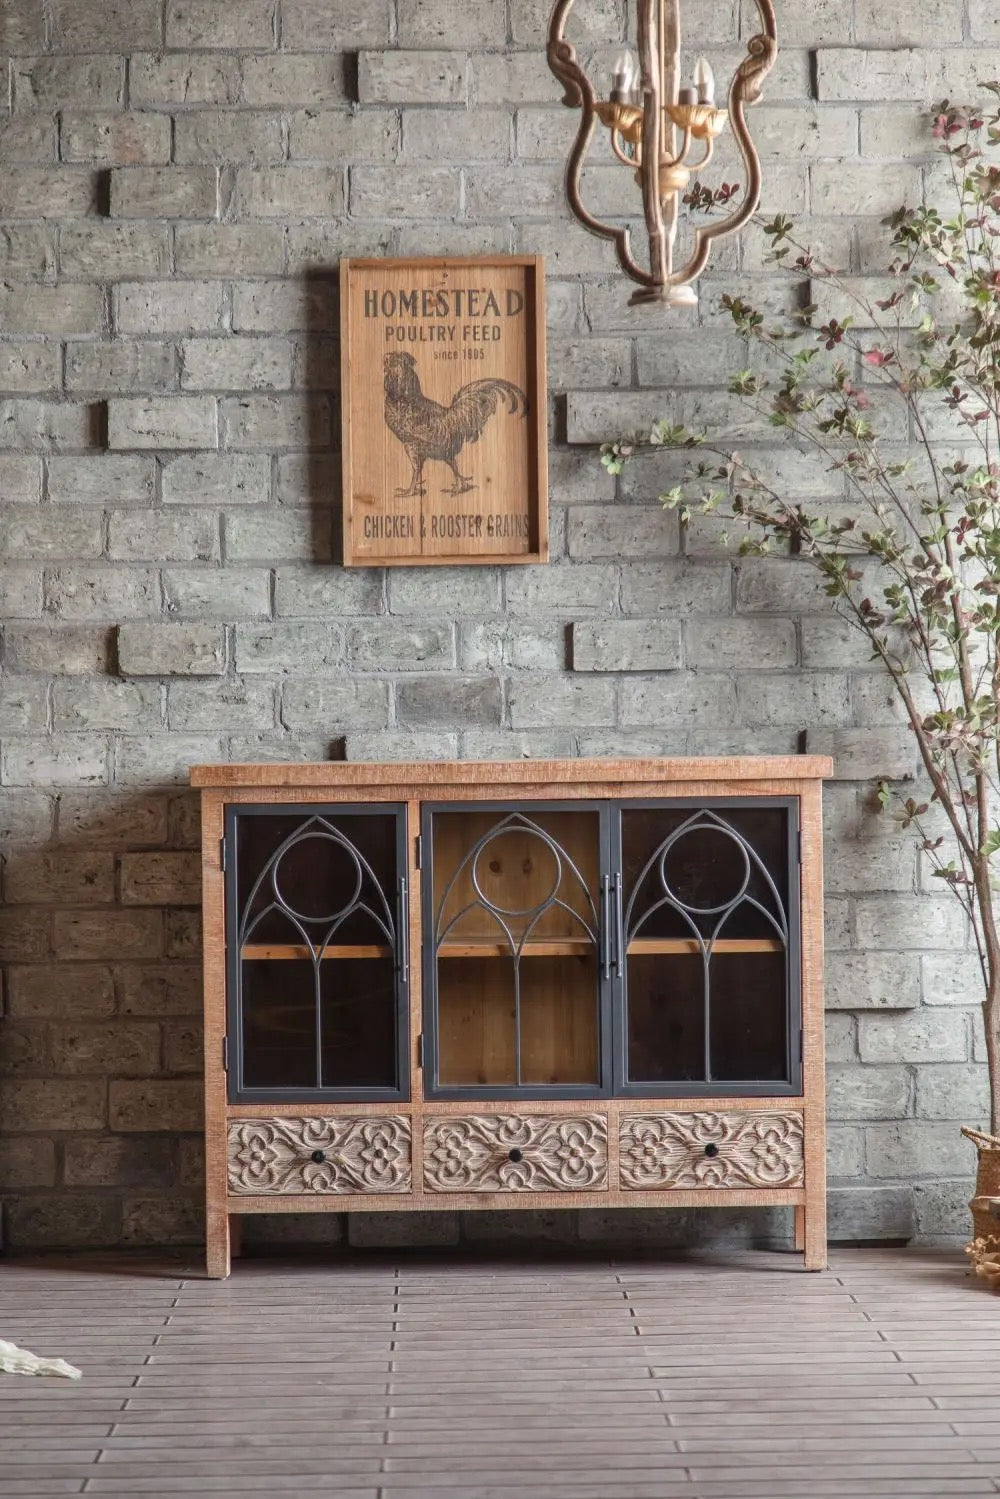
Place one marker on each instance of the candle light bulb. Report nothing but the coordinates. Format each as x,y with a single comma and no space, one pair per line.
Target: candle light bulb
704,82
622,78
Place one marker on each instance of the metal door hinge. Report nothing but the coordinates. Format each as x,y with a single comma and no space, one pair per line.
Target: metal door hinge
802,1045
225,1053
420,1050
222,854
419,850
798,844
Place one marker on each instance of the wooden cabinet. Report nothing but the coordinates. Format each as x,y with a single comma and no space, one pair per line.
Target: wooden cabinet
570,983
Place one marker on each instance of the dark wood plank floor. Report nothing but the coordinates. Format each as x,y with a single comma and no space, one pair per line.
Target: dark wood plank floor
708,1377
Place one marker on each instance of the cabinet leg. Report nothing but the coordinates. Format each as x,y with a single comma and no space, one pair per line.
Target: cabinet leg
800,1229
217,1245
235,1235
814,1234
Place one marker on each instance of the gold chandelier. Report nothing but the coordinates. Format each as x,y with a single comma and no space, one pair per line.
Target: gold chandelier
646,111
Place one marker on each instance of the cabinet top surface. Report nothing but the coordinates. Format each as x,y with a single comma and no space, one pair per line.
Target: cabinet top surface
498,773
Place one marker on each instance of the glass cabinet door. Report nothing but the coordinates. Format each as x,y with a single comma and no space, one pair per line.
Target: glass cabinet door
707,951
316,952
514,955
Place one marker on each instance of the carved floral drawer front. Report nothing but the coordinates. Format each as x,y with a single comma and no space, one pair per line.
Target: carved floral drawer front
710,1150
326,1156
516,1153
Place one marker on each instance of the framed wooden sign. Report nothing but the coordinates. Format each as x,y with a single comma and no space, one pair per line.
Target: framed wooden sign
444,411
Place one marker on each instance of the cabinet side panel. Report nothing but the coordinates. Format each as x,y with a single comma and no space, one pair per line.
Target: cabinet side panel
214,944
812,1024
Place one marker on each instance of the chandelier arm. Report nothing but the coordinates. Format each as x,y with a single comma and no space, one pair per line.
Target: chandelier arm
621,154
562,60
744,90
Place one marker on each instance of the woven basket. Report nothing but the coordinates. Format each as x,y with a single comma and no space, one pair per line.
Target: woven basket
985,1223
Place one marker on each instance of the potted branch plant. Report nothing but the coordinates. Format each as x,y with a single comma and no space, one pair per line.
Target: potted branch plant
913,560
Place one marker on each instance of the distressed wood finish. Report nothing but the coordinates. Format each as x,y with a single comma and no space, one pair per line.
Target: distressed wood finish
516,1153
443,391
711,1150
490,1185
329,1155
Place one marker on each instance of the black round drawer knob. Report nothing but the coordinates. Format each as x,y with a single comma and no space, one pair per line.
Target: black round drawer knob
712,1151
318,1156
514,1155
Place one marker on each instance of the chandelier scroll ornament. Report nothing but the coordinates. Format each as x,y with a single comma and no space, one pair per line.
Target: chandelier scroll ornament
646,111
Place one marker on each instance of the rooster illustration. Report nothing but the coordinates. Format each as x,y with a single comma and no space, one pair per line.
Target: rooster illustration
429,430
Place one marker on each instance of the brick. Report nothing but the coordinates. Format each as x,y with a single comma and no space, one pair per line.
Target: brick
27,1163
119,1161
65,310
677,698
401,77
324,592
213,249
288,647
28,532
183,78
595,532
334,25
20,478
951,979
123,1048
62,1221
183,1048
867,754
772,700
164,193
89,25
872,981
25,936
58,878
148,1221
156,650
227,364
282,421
499,191
197,706
583,589
953,1091
676,588
868,1093
24,707
499,77
155,1106
101,479
442,702
216,479
115,140
455,591
105,705
289,192
425,23
388,645
341,135
335,706
627,645
48,82
206,23
163,422
52,1104
871,864
585,362
97,818
542,701
747,644
30,139
101,593
228,136
921,1036
910,922
46,425
277,536
107,934
178,536
404,192
912,1148
161,879
862,1214
22,29
37,193
25,817
284,306
942,1210
23,592
150,307
27,368
119,368
64,760
159,989
868,188
845,1152
210,593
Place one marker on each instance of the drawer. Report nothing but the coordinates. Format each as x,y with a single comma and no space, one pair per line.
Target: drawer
711,1150
324,1156
516,1153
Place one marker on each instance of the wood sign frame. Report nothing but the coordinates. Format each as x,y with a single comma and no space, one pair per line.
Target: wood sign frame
443,393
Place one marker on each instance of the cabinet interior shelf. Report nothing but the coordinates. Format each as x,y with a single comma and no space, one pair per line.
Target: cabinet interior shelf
692,945
258,951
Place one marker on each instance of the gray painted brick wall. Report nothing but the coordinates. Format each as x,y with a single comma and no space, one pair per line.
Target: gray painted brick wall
177,183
